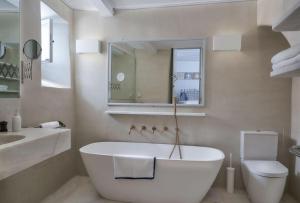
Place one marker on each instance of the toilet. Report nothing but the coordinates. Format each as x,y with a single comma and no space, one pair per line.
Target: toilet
263,176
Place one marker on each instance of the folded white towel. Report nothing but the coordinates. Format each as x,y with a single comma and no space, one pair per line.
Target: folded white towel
286,54
134,167
293,66
287,62
52,124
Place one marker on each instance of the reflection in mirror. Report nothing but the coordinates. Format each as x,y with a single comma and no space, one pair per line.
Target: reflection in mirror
153,72
9,49
32,49
186,80
2,50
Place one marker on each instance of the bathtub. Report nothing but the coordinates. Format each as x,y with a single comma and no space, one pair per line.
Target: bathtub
176,181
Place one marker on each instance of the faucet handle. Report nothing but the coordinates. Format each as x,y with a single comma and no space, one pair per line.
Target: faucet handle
154,129
143,128
166,128
132,127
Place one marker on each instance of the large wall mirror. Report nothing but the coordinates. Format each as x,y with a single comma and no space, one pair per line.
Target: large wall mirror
9,49
153,72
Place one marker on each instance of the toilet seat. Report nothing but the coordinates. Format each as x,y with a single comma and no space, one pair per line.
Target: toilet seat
270,169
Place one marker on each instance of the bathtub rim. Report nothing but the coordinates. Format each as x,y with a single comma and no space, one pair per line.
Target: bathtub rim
221,157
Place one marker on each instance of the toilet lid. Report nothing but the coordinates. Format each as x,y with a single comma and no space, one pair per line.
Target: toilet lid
272,169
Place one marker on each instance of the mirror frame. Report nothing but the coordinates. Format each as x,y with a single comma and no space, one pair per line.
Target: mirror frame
202,68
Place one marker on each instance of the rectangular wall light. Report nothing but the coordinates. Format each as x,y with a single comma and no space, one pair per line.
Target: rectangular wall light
227,42
88,46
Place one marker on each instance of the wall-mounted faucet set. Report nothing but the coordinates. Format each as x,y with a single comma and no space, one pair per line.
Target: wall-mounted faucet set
144,128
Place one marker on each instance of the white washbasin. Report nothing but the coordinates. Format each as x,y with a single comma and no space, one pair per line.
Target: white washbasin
4,139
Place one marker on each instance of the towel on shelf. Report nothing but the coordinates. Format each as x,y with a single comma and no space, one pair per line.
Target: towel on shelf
134,167
286,54
293,66
287,62
52,124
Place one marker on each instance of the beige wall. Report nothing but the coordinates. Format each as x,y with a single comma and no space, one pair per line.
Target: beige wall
294,38
240,95
269,11
38,105
295,166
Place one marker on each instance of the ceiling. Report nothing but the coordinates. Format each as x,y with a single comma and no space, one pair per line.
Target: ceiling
46,11
9,5
107,7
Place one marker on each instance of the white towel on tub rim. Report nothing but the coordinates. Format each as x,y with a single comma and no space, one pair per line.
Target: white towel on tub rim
134,167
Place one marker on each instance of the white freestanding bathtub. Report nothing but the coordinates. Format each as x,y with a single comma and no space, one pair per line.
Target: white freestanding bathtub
176,181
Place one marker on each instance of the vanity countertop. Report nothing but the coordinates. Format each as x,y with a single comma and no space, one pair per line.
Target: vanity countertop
21,150
31,134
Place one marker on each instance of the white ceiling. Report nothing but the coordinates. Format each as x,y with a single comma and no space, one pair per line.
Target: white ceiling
46,11
106,7
9,5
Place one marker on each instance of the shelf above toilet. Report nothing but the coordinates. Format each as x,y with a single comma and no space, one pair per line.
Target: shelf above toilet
295,150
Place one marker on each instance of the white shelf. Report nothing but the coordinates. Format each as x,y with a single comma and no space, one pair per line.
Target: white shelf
290,21
287,72
151,113
8,78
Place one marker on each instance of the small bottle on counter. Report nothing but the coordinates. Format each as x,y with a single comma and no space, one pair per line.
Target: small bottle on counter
3,126
16,122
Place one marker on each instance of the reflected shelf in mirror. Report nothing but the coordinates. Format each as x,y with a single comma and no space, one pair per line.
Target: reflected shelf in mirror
9,91
9,78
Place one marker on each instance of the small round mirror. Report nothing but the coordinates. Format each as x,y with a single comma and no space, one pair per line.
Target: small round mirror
121,77
32,49
2,50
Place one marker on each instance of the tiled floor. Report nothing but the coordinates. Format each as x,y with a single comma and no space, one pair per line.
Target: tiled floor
80,190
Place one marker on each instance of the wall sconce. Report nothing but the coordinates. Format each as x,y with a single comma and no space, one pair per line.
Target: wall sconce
88,46
227,42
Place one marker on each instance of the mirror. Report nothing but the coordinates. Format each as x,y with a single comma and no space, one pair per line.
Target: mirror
32,49
153,72
9,49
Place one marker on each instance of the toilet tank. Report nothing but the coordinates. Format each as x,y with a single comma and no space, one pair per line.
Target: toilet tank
259,145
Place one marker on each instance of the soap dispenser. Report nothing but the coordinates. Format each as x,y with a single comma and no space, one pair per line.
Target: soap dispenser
16,122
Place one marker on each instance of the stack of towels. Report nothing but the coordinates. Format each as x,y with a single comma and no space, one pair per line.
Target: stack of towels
289,58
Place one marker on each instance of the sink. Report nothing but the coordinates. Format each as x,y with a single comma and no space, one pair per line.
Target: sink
30,146
295,150
4,139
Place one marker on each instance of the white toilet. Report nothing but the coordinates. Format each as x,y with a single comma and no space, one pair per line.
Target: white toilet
264,177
